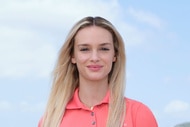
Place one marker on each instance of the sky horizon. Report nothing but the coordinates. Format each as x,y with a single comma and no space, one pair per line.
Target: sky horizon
156,36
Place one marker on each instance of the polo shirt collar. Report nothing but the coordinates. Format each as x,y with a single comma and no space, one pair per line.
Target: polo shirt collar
75,102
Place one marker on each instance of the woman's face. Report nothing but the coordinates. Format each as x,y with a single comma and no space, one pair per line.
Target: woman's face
93,53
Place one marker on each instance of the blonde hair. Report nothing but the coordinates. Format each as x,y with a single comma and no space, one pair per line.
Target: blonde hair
66,79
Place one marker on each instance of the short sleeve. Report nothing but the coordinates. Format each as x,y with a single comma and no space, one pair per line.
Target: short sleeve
144,117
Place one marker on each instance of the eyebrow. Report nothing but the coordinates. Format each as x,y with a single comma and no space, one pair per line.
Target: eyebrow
102,44
105,44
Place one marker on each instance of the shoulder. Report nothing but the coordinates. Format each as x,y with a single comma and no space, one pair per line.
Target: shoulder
139,114
135,105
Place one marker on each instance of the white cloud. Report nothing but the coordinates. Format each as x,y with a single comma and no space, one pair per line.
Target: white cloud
29,31
59,11
176,106
132,35
5,106
23,106
31,108
24,52
26,47
146,17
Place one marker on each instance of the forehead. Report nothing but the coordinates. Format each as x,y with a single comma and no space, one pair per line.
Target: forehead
93,35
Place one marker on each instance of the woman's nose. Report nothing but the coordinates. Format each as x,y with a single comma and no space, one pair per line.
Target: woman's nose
95,56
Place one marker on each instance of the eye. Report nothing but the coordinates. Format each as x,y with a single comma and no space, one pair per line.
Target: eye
104,49
84,49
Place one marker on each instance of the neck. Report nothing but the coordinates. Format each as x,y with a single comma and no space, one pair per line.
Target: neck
92,93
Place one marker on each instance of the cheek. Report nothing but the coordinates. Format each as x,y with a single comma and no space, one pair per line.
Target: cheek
80,58
109,60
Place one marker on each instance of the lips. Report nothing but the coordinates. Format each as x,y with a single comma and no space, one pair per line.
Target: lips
94,67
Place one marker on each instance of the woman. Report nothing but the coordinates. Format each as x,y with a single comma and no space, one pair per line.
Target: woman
89,81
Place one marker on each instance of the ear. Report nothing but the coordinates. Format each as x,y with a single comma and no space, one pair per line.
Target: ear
73,60
114,58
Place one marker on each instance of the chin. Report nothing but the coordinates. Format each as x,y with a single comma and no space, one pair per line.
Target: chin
96,78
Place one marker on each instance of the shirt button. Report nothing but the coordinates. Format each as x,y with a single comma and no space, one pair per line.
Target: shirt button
92,113
93,123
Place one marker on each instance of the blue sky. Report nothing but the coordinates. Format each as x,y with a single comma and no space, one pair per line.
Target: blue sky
156,35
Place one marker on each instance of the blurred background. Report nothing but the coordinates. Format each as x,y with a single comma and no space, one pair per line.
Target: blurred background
156,35
187,124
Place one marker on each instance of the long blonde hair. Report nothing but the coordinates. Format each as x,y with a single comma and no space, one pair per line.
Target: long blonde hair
66,79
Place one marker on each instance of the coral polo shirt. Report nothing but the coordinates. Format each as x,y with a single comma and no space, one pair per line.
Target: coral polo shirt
78,115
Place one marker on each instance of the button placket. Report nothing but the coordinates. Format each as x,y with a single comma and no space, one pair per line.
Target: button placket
93,119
